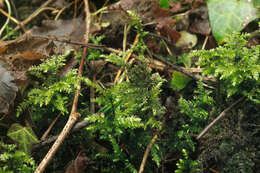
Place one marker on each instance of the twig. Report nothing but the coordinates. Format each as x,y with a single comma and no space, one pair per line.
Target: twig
80,125
205,42
213,170
92,96
50,127
90,45
7,20
12,19
126,59
167,47
179,69
32,16
205,130
176,68
147,151
9,16
125,37
74,115
61,10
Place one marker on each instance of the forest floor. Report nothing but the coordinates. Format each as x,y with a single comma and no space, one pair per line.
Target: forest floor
137,96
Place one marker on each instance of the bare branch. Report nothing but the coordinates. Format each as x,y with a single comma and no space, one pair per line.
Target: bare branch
74,115
147,151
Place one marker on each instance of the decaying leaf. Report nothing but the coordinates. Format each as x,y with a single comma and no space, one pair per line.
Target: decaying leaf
150,12
79,164
8,89
17,56
20,54
32,46
200,21
175,7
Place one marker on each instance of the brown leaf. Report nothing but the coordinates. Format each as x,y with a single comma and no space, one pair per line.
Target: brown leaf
79,164
167,31
200,27
25,47
150,11
176,7
20,54
59,4
200,24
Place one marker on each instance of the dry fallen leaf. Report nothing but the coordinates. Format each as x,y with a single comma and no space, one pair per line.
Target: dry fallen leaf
34,46
8,89
149,11
200,21
17,56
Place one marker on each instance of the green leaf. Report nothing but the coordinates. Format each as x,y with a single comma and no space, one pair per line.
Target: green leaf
256,3
164,4
179,81
186,60
227,16
24,136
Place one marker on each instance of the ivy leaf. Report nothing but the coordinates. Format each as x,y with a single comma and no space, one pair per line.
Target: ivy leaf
164,4
179,81
227,16
24,136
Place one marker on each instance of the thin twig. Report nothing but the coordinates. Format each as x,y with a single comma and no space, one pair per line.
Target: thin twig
126,60
53,38
9,16
213,170
179,69
12,19
176,68
8,19
205,130
125,38
46,133
92,96
147,151
32,16
61,10
205,42
80,125
74,115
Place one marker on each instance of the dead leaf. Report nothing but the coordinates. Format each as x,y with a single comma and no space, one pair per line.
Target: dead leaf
25,47
175,7
200,24
149,11
8,89
169,32
79,164
59,4
20,54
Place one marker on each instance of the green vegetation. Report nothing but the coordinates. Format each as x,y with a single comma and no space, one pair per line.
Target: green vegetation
130,112
235,66
13,160
54,89
145,109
